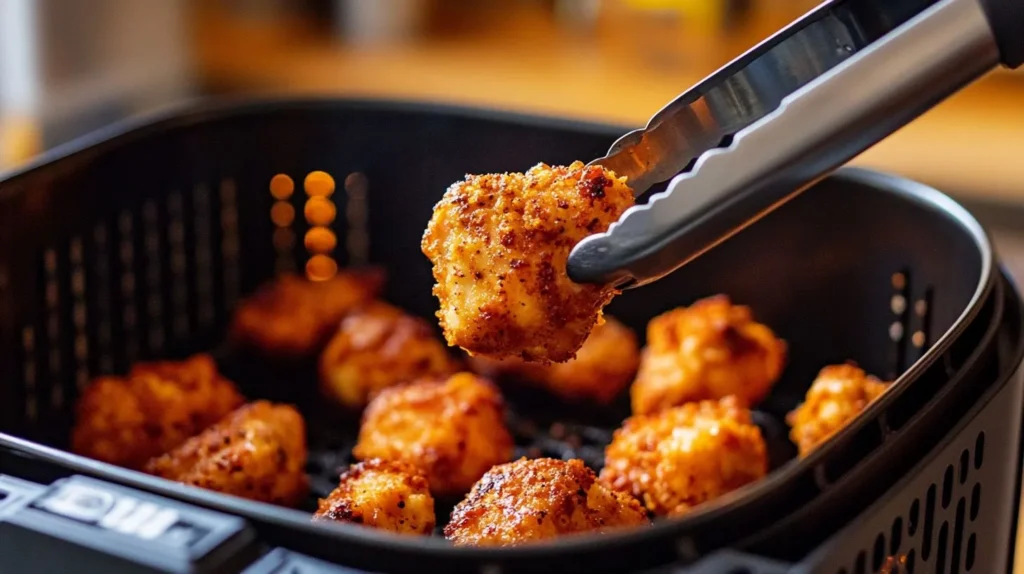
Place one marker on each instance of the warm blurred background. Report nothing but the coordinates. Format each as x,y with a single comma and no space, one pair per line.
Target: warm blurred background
67,68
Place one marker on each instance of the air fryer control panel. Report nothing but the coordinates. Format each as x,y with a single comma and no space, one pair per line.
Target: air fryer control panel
79,524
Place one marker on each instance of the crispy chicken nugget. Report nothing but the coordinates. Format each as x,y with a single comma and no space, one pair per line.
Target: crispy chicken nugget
837,396
603,366
710,350
537,499
257,452
454,430
292,317
499,245
389,495
128,420
377,347
683,456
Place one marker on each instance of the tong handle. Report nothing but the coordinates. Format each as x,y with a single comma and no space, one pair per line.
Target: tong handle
1006,18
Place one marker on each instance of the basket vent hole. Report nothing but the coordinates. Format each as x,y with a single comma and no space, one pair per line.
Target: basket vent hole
230,246
861,564
320,213
899,282
29,372
958,536
154,302
178,266
969,555
126,252
910,562
915,514
357,241
102,316
965,462
53,328
979,450
975,500
282,216
896,536
947,486
878,556
929,516
940,556
79,313
203,254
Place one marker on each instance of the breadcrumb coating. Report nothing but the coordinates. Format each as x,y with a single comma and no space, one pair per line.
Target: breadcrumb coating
539,499
499,245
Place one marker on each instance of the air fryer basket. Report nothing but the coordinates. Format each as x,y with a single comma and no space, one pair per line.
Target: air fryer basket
138,243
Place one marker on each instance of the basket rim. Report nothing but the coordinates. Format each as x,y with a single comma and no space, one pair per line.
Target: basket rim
195,111
201,111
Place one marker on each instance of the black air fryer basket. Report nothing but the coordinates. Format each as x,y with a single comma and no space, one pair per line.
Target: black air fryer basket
138,243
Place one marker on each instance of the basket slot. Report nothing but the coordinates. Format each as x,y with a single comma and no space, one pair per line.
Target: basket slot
99,297
203,230
938,532
898,304
11,399
181,320
155,333
126,293
230,245
920,325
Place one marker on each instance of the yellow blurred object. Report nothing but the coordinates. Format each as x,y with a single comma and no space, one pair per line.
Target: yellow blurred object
319,211
281,186
282,214
319,183
320,240
20,140
321,268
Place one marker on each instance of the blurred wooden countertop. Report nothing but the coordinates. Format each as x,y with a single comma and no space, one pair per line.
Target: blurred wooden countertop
968,145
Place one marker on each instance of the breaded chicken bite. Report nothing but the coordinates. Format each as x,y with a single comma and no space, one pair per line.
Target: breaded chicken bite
684,456
538,499
377,347
710,350
392,496
257,452
292,317
837,396
454,430
499,244
128,420
603,366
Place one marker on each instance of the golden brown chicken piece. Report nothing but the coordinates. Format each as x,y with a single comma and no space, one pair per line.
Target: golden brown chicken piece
603,366
454,430
377,347
393,496
538,499
257,452
499,244
837,396
128,420
292,317
710,350
684,456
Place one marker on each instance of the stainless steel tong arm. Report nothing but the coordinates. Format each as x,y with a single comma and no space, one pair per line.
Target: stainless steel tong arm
782,116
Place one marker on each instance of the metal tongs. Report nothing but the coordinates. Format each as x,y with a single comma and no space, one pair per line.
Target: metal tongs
780,117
